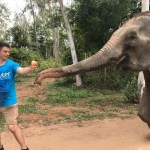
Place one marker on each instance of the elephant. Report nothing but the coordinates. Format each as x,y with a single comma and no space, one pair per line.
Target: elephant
128,48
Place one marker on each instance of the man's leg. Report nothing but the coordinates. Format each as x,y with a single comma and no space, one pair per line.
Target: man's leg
0,132
18,134
1,146
11,114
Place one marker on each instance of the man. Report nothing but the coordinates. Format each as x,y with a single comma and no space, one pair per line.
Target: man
8,99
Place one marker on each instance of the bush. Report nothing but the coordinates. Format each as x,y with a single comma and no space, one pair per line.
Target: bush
104,79
45,64
24,56
130,91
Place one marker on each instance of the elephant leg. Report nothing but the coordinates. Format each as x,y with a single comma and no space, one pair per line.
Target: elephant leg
145,118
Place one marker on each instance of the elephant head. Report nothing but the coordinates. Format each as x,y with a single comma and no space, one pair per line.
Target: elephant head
128,47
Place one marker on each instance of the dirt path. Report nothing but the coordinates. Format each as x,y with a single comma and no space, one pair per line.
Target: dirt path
114,134
28,89
108,134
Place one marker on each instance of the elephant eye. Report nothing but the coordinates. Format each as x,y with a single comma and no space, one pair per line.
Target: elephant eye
132,37
131,40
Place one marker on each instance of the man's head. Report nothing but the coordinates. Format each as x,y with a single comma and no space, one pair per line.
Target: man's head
4,51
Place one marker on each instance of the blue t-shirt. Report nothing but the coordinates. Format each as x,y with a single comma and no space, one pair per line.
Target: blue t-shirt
7,83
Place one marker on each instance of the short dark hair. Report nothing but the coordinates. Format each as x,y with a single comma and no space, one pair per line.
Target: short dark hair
3,44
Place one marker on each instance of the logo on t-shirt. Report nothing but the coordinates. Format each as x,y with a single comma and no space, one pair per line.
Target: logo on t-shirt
5,81
4,76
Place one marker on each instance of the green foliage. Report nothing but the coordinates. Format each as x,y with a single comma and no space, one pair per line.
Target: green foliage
50,63
30,109
108,78
24,56
66,57
93,22
96,20
20,37
60,93
130,91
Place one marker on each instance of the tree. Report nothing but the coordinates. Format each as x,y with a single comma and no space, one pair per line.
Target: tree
19,33
71,42
46,25
31,5
4,20
97,20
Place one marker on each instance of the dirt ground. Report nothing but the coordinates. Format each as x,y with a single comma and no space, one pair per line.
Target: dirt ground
112,134
108,134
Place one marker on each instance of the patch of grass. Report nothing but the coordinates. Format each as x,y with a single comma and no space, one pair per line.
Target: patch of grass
31,109
98,104
80,115
132,110
84,97
106,100
27,109
67,95
42,112
32,100
84,103
2,123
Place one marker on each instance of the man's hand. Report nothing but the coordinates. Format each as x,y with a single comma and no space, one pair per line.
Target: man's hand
34,65
26,70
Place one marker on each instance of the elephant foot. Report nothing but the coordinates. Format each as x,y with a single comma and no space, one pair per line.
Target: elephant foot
145,118
141,117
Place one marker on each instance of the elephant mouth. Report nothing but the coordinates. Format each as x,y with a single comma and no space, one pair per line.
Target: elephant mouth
123,62
121,58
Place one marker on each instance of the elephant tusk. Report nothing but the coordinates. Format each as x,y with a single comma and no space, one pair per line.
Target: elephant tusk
121,58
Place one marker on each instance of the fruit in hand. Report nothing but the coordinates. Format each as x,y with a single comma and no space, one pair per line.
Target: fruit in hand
34,63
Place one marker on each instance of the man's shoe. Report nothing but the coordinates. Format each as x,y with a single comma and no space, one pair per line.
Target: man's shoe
22,149
2,148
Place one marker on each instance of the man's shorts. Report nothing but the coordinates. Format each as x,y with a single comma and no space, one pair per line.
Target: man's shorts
10,113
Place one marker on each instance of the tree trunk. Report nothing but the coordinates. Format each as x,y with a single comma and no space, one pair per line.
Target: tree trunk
56,45
34,23
71,42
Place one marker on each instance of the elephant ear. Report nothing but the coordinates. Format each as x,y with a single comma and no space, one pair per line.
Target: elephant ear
131,38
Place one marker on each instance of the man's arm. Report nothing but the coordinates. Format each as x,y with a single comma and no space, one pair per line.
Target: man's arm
29,69
24,70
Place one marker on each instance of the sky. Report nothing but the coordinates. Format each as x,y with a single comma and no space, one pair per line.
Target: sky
15,5
18,5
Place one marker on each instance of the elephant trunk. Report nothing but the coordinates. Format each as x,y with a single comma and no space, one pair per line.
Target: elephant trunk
108,53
